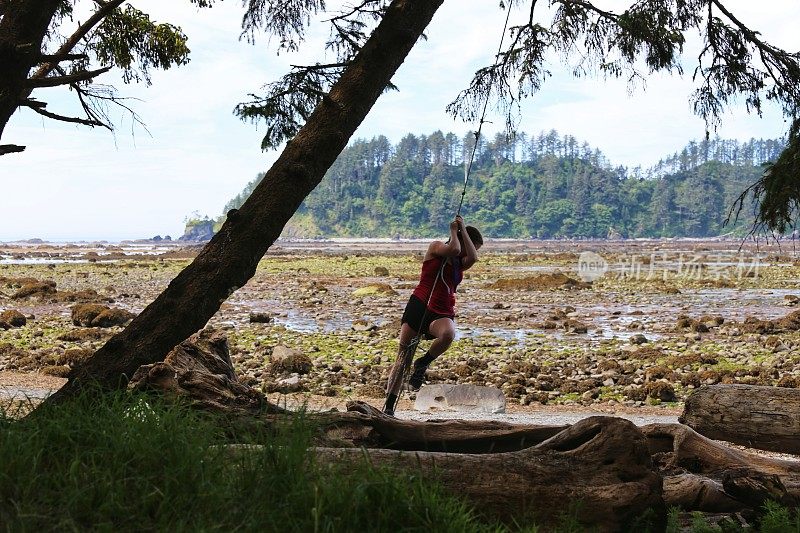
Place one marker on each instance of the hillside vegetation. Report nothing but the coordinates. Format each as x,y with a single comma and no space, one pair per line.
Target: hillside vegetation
543,186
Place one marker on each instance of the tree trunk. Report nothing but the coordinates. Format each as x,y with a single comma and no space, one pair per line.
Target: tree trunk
22,29
703,475
229,260
601,464
767,418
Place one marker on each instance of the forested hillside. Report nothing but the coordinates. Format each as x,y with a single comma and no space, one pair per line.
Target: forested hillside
542,186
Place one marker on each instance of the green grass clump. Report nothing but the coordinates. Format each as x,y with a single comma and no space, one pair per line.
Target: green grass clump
132,463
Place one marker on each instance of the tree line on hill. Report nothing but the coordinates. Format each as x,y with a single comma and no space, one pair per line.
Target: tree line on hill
543,186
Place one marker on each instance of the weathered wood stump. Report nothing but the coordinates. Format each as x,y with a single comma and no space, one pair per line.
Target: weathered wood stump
200,370
703,475
767,418
601,462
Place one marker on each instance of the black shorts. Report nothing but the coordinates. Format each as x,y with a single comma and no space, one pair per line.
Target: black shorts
414,313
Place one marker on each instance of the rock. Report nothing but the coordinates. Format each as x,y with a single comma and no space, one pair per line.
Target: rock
13,318
260,318
198,230
290,384
289,360
638,339
59,371
35,288
381,271
80,335
377,289
363,325
500,305
791,300
112,317
574,326
76,355
461,398
83,314
540,282
660,390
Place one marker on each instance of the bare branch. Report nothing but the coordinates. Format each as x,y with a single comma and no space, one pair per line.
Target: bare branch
10,148
30,102
74,120
55,81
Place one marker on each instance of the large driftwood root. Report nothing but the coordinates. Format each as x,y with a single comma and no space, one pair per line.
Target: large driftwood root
767,418
601,462
704,475
200,370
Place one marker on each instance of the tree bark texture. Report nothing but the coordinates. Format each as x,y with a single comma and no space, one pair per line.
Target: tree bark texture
366,426
767,418
229,260
601,462
200,370
22,30
703,475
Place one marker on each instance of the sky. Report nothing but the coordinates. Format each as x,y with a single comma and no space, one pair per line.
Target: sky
76,183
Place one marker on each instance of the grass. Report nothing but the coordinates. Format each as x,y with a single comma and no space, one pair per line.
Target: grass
134,464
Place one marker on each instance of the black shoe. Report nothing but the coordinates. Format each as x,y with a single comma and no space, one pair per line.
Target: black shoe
417,377
388,407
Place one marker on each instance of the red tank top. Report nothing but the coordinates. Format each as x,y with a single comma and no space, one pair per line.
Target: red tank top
443,300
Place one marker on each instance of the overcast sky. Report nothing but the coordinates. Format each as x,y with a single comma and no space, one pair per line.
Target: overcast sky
75,183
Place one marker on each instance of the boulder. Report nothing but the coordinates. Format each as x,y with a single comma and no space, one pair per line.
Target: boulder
83,314
260,318
112,317
289,360
363,325
13,318
377,289
35,288
99,316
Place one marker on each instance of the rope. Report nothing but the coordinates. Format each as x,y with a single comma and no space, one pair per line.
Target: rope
410,350
468,167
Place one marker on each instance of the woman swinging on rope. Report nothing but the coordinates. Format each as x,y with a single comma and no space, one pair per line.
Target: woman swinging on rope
430,311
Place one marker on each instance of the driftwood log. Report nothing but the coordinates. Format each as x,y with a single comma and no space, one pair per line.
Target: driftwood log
200,370
767,418
612,467
366,426
601,462
703,475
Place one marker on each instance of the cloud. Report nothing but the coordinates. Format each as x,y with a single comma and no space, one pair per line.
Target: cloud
76,183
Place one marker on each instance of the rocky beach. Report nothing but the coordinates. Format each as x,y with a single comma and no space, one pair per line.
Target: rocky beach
632,332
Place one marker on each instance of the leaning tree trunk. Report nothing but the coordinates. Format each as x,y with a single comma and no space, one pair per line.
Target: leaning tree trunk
22,29
231,257
601,464
767,418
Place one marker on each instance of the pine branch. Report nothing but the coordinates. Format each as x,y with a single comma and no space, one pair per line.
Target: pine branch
105,9
55,58
55,81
